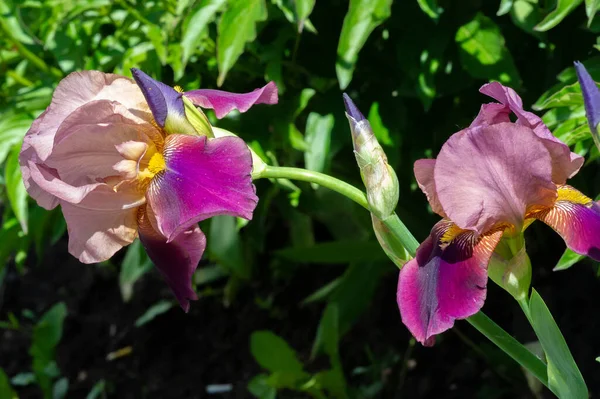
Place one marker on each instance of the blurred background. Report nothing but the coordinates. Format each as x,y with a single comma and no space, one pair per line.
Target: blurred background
300,302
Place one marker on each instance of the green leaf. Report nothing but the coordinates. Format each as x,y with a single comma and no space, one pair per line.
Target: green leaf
135,264
564,377
7,14
46,335
195,25
563,8
157,36
153,311
483,53
98,389
381,132
335,252
303,10
6,390
60,389
591,8
318,140
362,18
17,195
505,7
12,131
259,387
567,96
237,26
431,8
274,354
225,246
323,292
568,259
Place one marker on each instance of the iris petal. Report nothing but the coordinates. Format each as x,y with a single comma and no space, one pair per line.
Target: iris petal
176,260
444,282
203,178
577,219
224,102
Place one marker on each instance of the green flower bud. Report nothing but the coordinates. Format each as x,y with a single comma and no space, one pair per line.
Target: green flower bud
510,267
377,175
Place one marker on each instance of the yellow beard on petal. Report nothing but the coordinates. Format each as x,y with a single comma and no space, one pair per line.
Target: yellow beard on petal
569,194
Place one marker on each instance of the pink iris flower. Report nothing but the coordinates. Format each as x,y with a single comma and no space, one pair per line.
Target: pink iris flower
110,151
493,177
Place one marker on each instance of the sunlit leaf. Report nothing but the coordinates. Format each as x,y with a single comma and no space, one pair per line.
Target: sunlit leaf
505,6
567,96
195,25
591,8
563,8
237,27
274,354
362,18
381,132
564,377
483,53
303,10
431,8
318,141
17,195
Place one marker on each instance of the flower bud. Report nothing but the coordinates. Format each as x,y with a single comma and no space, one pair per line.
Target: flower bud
510,267
377,175
591,100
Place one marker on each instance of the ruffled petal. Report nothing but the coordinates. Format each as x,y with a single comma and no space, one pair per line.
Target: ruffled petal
86,145
445,281
165,102
176,260
95,235
423,169
491,174
203,178
577,219
565,164
224,102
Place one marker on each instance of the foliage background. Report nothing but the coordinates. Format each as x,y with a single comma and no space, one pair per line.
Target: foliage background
307,267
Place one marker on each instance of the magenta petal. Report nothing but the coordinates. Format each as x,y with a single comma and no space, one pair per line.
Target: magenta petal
442,285
224,102
490,174
176,260
203,178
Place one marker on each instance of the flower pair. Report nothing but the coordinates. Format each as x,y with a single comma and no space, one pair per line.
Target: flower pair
126,159
493,178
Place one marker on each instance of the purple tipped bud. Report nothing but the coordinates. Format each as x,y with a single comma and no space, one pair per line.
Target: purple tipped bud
351,109
377,175
591,99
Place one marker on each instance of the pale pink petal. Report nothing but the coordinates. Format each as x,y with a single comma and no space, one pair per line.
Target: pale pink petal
490,174
86,144
224,102
28,157
95,236
440,285
423,169
176,260
203,178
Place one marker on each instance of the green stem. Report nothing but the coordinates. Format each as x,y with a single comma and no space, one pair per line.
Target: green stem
480,321
510,346
347,190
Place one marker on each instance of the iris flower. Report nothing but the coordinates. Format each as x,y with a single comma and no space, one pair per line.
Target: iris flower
493,178
123,160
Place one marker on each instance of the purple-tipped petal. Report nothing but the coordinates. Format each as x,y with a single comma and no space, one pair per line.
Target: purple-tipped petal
577,219
224,102
565,164
203,178
591,96
490,174
440,285
176,260
351,109
165,103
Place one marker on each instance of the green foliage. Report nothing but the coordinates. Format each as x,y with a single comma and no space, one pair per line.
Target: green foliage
6,390
568,259
564,377
135,264
362,18
153,311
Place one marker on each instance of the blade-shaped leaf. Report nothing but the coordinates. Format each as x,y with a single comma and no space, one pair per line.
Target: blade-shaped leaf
17,195
362,18
564,377
303,10
431,8
591,8
195,25
274,354
563,8
568,259
237,26
505,6
225,247
135,264
318,140
6,390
